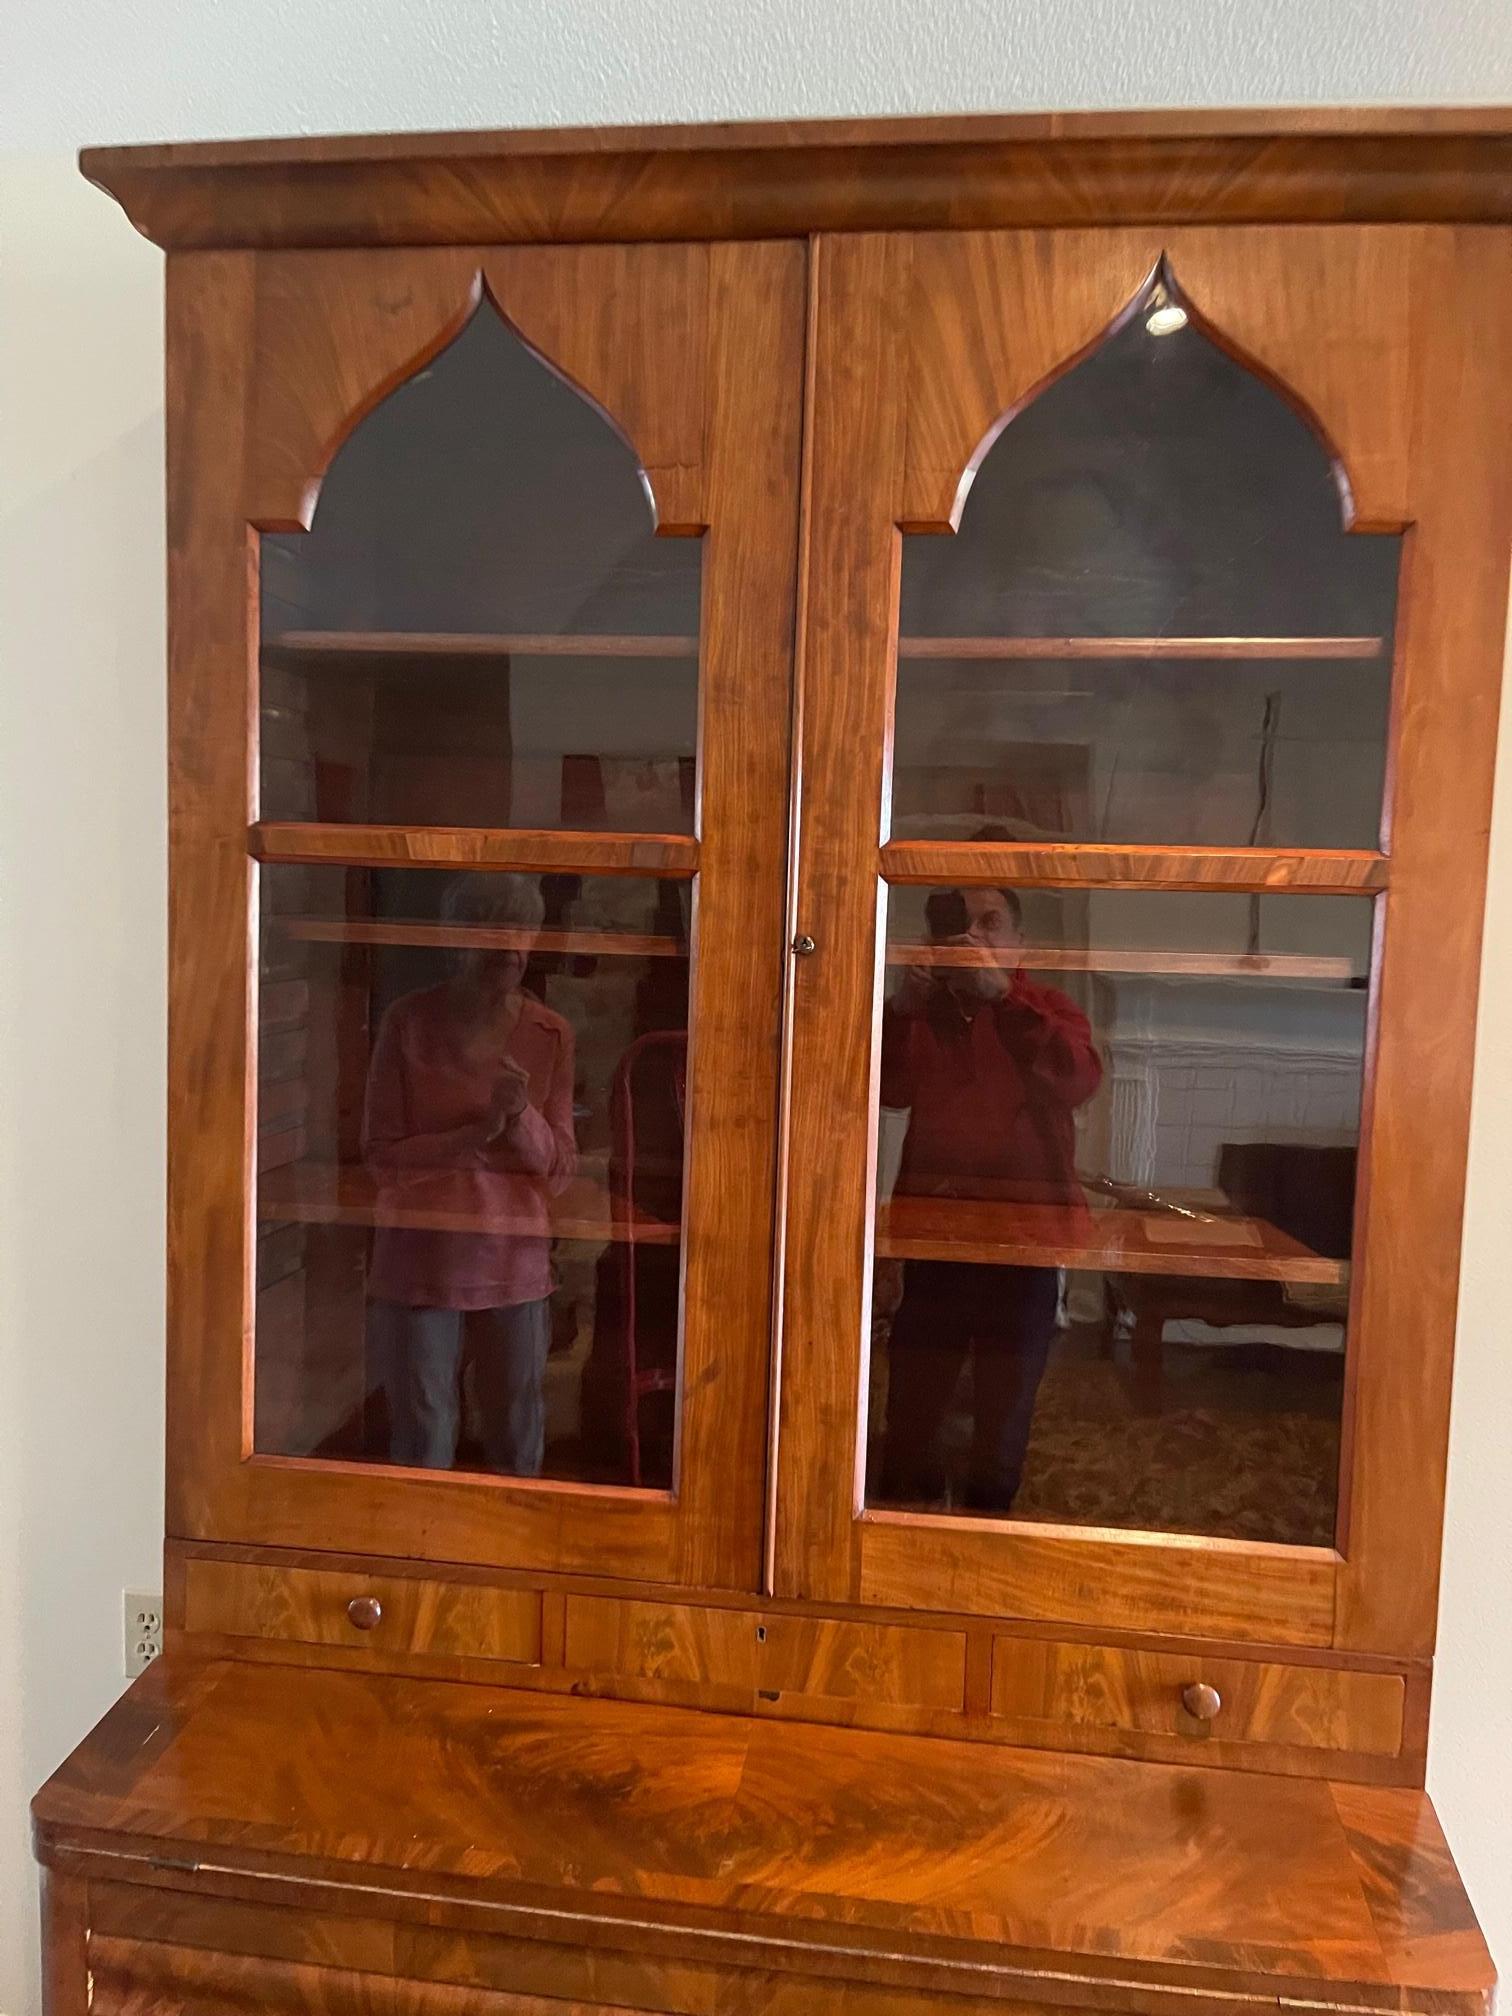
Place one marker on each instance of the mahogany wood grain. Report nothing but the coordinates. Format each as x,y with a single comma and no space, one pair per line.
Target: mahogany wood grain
1324,317
1451,635
972,1723
925,347
209,327
1404,1914
1052,864
65,1957
991,320
339,644
522,1977
755,428
133,1978
1251,1590
870,1859
1219,649
856,441
965,328
1316,165
1130,1242
674,855
336,334
303,1827
689,1983
1326,1708
311,1607
890,1664
697,352
997,317
680,1639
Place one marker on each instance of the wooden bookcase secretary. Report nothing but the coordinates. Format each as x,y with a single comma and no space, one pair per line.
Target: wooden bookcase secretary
828,823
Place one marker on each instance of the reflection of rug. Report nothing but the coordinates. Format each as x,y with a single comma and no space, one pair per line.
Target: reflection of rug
1194,1469
1247,1447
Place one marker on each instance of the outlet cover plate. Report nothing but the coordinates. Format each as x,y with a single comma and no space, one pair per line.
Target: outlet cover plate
142,1629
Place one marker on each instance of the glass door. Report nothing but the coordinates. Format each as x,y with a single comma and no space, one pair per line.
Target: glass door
518,844
1088,1028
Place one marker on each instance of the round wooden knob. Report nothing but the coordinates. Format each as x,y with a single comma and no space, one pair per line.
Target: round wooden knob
1201,1701
363,1612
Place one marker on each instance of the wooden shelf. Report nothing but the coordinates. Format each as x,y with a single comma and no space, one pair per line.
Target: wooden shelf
1123,1242
1110,648
312,1193
502,937
908,1228
506,644
471,644
1063,959
529,850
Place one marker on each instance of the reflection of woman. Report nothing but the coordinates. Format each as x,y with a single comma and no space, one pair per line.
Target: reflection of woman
469,1117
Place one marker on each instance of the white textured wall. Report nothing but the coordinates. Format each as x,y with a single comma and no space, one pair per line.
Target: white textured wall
81,696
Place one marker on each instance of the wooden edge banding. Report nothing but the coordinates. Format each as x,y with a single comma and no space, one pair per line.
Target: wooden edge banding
967,863
665,854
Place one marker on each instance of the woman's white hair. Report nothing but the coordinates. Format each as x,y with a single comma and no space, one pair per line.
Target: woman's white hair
483,897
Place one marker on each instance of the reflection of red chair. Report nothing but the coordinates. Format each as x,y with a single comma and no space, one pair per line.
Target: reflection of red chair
630,1217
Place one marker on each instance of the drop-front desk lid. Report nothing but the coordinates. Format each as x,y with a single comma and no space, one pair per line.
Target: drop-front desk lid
839,1855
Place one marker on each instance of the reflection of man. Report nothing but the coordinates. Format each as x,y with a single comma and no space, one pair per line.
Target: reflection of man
992,1066
469,1111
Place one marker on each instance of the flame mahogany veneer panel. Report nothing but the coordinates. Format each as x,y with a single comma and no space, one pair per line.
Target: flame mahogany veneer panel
862,1856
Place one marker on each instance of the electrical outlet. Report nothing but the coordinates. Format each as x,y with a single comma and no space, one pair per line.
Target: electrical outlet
142,1622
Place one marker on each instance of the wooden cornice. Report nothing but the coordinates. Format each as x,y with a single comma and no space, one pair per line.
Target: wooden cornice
779,179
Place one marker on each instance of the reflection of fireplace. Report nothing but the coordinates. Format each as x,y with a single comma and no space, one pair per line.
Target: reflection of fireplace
1170,1105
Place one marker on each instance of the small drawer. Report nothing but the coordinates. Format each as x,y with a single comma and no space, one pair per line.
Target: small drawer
768,1654
1193,1695
379,1614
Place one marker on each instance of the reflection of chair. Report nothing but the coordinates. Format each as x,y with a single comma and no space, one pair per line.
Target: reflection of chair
633,1083
1305,1191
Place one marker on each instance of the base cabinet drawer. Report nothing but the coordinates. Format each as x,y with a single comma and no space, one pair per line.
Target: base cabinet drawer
766,1653
1180,1694
129,1977
379,1613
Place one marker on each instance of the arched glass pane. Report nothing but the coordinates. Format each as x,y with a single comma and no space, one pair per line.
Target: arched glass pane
1151,626
481,627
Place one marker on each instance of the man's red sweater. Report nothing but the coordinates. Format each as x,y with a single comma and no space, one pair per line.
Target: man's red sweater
992,1087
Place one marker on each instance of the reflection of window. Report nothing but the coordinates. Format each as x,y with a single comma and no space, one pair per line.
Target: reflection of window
481,585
